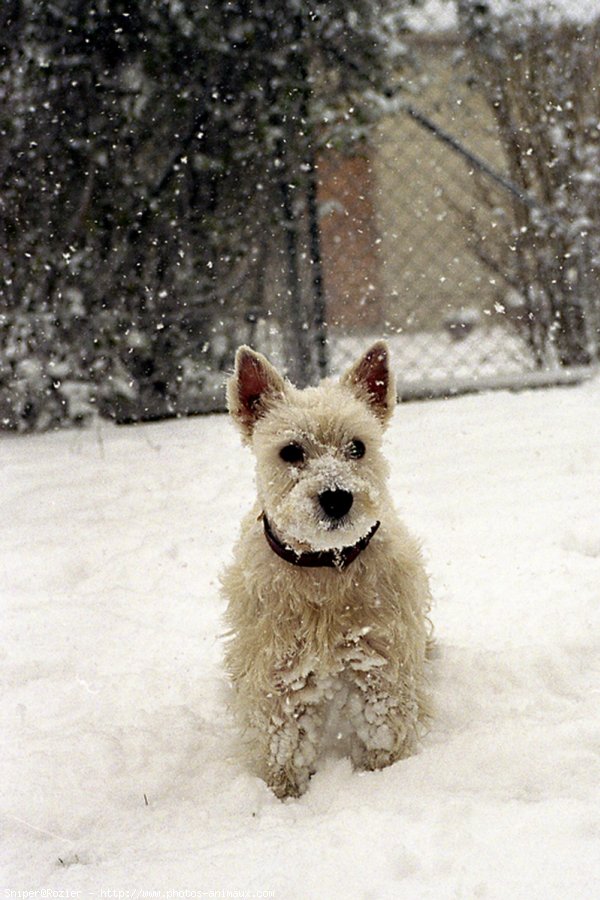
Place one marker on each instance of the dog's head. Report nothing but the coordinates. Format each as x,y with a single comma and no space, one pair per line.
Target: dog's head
320,472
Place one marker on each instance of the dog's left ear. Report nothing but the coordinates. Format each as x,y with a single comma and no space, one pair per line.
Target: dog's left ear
252,388
372,382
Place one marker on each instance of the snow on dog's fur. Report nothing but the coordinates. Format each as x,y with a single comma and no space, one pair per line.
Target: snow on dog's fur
303,634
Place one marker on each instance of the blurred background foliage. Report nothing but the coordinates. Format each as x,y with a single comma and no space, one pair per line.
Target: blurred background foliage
157,157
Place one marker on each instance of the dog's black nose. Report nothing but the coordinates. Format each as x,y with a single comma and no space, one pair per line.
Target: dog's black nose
336,503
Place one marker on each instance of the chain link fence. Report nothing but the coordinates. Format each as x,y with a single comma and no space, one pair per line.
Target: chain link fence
446,212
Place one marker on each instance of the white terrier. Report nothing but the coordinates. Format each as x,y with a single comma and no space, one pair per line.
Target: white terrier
327,594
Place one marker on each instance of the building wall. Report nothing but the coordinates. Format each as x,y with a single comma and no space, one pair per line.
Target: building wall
428,271
395,240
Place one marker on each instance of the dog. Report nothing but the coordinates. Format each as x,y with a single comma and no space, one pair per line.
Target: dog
327,595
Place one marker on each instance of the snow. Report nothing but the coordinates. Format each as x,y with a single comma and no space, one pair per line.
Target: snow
440,15
119,755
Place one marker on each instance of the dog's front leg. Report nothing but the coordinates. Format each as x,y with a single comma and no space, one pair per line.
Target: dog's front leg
294,730
383,713
294,722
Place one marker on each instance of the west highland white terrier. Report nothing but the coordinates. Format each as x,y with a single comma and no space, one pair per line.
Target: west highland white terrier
327,594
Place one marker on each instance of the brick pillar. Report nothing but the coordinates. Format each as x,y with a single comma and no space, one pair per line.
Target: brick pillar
349,242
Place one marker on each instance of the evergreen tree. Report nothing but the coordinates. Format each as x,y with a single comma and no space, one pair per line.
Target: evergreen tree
158,169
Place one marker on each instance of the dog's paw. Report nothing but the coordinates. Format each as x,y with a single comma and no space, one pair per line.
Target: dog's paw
370,760
283,785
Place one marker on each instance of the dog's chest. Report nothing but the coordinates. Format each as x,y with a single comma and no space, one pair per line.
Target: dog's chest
319,673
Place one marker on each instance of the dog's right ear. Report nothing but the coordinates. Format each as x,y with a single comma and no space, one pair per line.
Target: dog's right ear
252,389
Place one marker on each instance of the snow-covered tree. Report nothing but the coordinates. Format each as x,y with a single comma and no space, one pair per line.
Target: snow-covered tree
539,75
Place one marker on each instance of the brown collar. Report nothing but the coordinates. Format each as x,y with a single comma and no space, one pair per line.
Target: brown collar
338,559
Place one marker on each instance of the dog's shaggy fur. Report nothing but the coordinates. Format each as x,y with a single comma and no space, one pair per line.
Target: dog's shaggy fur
300,636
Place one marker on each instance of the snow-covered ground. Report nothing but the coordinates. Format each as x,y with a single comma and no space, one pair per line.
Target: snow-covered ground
119,766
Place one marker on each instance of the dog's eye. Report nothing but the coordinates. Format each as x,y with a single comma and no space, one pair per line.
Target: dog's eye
292,453
356,449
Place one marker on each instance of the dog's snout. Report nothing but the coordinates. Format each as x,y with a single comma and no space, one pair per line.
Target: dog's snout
336,503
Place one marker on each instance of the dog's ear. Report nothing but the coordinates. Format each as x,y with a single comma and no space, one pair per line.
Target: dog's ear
372,382
252,388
